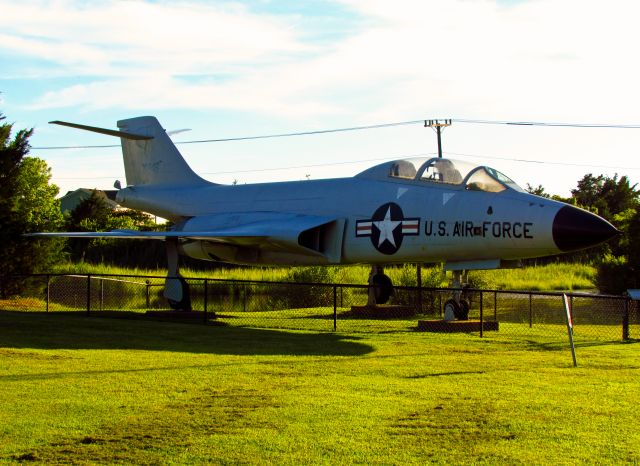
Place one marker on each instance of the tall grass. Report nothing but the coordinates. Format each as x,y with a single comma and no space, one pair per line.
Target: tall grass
551,277
236,273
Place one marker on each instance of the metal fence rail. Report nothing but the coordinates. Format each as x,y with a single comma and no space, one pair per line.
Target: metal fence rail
328,307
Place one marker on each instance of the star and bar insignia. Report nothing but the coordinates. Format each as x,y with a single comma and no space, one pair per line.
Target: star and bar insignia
387,227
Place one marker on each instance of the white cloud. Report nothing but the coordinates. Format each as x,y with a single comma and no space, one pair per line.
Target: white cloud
534,58
538,60
125,37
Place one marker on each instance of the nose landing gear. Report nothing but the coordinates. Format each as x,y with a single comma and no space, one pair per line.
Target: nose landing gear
457,308
380,286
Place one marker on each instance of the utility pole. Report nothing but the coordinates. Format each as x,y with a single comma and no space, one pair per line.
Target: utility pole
438,125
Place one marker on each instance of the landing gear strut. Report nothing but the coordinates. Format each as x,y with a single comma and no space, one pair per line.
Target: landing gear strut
458,307
176,288
380,286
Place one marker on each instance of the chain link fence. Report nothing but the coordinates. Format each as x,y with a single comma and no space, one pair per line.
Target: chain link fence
327,307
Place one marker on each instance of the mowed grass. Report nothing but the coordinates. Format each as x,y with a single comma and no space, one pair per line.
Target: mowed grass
81,390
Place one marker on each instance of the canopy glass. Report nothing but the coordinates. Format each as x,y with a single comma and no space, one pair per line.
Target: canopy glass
454,172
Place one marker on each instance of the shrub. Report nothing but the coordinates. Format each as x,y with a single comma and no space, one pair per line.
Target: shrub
614,275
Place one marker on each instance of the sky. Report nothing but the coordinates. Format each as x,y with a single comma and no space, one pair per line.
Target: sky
243,68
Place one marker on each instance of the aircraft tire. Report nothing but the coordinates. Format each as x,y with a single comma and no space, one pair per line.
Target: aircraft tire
185,303
383,288
463,311
451,307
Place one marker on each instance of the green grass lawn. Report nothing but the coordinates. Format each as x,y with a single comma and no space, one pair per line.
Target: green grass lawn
79,390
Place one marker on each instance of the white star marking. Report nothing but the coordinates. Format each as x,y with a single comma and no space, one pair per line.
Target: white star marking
386,227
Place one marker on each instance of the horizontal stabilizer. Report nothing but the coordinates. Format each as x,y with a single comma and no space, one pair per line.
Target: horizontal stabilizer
108,132
134,234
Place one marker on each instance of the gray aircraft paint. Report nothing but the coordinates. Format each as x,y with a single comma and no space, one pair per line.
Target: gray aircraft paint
371,218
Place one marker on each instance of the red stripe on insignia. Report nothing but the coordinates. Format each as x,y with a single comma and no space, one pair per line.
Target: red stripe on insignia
410,226
364,228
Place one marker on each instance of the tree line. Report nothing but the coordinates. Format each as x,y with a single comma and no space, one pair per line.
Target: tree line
618,201
28,204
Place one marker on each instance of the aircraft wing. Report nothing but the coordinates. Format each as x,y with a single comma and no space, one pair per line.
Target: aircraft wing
295,233
223,235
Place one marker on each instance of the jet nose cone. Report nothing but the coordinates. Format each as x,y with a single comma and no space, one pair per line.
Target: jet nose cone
575,229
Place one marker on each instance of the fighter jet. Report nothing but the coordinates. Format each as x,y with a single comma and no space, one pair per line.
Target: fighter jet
417,210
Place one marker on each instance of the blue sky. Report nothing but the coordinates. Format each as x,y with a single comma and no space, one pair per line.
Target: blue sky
226,69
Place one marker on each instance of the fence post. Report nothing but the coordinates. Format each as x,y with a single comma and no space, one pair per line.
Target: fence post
571,301
481,316
495,305
148,293
88,293
530,310
419,283
48,292
244,297
625,320
206,296
335,307
101,294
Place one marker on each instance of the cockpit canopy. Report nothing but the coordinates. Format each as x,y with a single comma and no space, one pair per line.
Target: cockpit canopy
443,171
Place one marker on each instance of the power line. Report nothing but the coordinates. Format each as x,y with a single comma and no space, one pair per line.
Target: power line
382,159
541,162
259,170
264,136
368,127
308,133
542,123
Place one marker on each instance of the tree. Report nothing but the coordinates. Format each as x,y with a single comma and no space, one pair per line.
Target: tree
606,196
538,191
620,271
91,214
27,204
94,214
633,251
614,199
37,203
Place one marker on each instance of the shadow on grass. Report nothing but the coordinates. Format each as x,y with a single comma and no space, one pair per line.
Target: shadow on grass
77,331
563,344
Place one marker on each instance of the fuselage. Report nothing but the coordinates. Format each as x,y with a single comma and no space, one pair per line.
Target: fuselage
411,210
385,219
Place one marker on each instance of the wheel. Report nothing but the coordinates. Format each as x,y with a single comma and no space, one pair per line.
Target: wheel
382,288
185,303
463,310
451,309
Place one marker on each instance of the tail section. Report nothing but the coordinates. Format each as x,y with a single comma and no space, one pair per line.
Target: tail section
150,157
154,160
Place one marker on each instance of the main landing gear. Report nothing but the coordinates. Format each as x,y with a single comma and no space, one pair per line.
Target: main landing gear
457,308
380,286
176,288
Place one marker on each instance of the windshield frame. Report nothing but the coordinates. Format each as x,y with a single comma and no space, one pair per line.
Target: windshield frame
453,173
453,164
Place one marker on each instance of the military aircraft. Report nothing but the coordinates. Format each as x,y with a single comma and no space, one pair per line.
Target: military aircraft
404,211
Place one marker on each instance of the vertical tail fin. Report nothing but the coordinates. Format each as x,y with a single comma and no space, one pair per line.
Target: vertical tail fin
154,161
